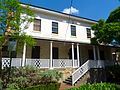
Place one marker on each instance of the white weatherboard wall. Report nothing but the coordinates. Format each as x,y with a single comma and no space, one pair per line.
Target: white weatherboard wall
64,30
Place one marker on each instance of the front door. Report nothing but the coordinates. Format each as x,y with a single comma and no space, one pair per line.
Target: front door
36,52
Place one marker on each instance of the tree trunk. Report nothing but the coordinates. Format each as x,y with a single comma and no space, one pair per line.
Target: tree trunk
1,63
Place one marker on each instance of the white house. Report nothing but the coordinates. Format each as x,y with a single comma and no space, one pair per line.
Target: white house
63,41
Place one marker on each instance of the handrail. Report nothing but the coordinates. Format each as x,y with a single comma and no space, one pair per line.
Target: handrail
80,72
76,75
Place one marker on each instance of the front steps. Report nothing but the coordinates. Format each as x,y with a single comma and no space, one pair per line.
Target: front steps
89,77
68,80
82,80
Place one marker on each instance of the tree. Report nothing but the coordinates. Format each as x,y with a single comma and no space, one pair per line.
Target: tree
109,30
114,16
14,19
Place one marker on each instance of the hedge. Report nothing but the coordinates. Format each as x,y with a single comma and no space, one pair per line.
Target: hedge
51,86
98,86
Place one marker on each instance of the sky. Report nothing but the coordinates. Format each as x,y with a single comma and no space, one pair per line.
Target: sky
92,9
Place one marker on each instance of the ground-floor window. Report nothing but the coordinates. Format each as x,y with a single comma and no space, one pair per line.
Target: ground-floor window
55,52
36,52
5,53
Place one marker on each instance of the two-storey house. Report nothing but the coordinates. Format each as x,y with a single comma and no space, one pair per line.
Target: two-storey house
63,42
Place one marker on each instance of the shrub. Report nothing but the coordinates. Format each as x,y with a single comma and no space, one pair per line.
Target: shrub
50,76
13,86
98,86
1,84
51,86
112,73
21,81
30,76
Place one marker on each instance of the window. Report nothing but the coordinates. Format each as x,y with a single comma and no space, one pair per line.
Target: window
36,52
73,30
55,52
5,52
55,27
88,32
37,25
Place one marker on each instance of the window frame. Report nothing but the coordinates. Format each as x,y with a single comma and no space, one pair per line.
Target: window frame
37,25
55,27
88,30
73,30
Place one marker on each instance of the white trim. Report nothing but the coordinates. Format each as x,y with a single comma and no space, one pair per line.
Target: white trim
51,62
78,59
73,54
24,55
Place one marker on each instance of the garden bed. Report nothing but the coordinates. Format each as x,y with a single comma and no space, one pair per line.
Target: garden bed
98,86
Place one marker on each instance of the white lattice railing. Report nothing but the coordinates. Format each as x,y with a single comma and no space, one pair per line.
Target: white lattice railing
40,63
64,63
87,66
15,62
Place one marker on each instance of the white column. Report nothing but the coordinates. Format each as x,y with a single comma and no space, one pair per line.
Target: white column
24,54
98,53
73,54
51,61
78,55
94,52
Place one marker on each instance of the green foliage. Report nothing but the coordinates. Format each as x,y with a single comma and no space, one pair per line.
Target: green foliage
21,81
1,84
97,86
51,86
112,73
2,39
114,16
23,38
23,77
10,15
106,32
14,19
13,86
50,75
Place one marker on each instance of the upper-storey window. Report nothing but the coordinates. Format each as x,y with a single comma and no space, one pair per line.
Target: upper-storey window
37,25
73,30
55,27
88,32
